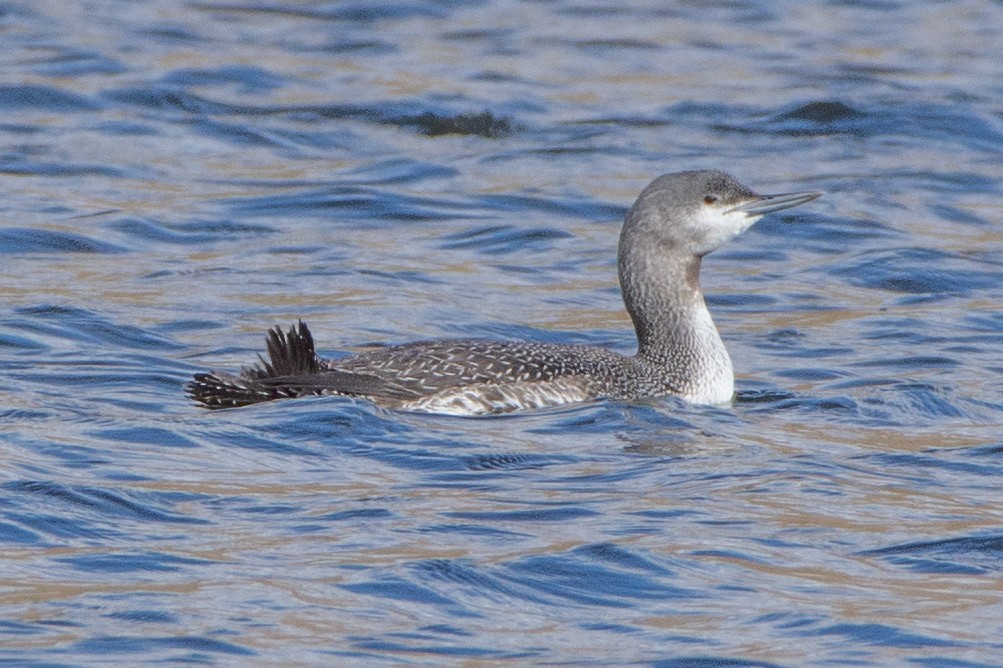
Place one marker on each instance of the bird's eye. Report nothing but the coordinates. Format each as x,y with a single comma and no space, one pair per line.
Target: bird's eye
709,199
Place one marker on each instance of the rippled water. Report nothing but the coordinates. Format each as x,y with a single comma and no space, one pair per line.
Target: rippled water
177,177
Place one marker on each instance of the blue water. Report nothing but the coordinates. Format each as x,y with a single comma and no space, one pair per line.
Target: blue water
178,177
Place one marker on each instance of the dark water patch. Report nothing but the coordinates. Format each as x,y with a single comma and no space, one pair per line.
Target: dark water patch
881,635
447,468
146,436
349,202
145,616
195,233
763,396
140,506
446,629
399,590
241,439
921,401
13,341
597,417
534,515
507,462
947,662
916,271
68,63
33,167
473,581
249,79
18,629
353,426
608,627
902,330
396,171
802,375
751,257
86,327
941,181
169,98
414,115
43,98
140,562
613,46
400,171
616,121
483,124
61,452
474,530
665,514
366,514
581,578
817,233
599,574
577,206
967,555
986,451
171,34
395,277
185,326
741,301
193,648
686,113
360,47
889,402
711,661
58,528
937,123
909,362
356,12
270,509
12,533
793,344
606,479
244,135
409,644
126,128
984,321
503,239
920,466
301,250
822,112
20,128
841,406
105,382
619,556
957,215
478,35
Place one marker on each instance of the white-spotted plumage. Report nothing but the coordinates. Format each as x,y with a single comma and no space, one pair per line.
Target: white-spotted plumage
675,221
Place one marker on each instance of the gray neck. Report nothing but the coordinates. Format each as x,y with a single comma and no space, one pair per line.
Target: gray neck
678,344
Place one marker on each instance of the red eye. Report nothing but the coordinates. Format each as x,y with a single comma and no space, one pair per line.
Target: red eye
709,199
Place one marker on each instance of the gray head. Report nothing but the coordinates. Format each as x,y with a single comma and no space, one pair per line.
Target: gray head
699,211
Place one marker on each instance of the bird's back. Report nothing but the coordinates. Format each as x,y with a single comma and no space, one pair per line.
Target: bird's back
459,376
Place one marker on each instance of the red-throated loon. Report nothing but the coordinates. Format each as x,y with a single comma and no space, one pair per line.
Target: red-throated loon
675,221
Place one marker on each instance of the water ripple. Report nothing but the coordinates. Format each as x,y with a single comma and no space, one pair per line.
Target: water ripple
178,177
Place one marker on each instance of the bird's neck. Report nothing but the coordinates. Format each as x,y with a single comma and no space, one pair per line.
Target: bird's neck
677,340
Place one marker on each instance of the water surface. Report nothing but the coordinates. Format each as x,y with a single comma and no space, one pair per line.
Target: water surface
178,177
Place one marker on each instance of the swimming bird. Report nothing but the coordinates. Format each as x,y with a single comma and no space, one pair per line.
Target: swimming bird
675,222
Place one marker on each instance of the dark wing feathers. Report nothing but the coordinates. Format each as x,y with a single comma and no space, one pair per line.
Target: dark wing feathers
291,370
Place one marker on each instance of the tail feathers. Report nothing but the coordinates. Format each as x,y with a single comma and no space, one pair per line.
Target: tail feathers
290,354
291,370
